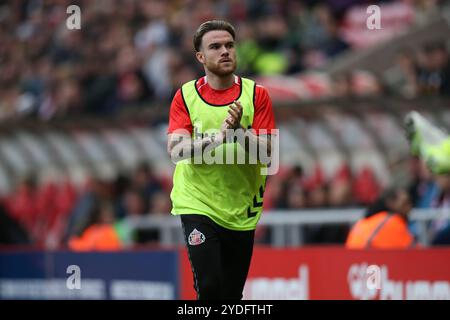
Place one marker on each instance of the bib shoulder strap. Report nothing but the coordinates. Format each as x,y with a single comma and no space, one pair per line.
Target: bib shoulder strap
188,92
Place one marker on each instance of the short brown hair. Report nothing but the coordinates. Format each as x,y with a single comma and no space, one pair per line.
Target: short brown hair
210,26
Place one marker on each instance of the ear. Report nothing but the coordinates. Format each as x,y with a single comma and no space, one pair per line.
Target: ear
200,57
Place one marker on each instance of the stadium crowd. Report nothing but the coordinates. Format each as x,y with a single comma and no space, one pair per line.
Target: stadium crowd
54,215
136,53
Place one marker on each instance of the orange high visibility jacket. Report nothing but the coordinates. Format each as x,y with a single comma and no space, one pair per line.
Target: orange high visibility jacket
100,237
382,230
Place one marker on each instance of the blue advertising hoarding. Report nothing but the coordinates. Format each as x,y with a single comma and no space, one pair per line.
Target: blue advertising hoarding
90,275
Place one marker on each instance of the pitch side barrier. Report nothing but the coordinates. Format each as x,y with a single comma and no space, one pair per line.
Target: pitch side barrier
287,225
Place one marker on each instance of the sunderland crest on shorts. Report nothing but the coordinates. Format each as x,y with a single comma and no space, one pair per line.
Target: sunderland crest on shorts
196,238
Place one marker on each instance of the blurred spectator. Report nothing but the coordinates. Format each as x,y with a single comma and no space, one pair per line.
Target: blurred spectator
365,187
442,226
434,70
271,59
86,205
342,84
321,196
423,189
22,205
100,234
424,10
402,77
134,206
160,203
11,232
296,197
145,182
385,224
340,188
120,187
247,49
286,190
273,192
134,203
132,86
319,36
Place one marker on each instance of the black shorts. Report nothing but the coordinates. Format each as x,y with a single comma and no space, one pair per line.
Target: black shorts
220,258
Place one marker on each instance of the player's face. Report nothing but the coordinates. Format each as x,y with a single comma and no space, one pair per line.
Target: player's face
217,52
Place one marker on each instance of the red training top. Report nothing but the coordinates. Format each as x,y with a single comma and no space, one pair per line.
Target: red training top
263,115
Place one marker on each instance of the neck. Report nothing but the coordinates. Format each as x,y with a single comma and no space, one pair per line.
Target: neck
219,82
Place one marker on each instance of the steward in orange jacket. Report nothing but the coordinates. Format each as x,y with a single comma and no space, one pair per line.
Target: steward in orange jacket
102,234
99,237
385,224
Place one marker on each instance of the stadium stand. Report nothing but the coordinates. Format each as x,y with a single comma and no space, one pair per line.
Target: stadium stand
83,121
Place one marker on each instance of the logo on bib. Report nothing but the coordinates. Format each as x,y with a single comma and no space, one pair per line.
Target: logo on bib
196,238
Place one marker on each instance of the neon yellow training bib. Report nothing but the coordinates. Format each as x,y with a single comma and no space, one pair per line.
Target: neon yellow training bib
230,194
